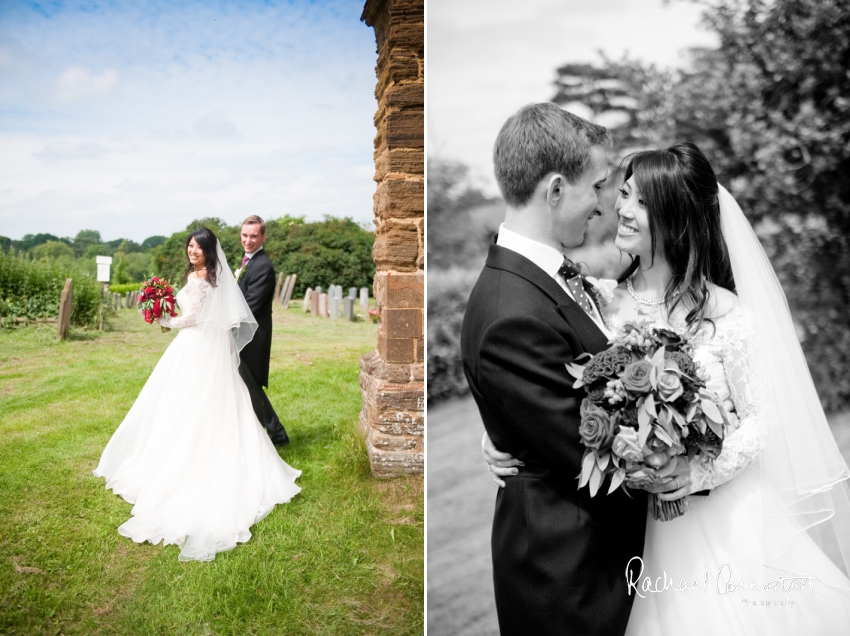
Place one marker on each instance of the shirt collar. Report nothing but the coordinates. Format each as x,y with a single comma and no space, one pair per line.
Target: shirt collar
251,254
545,257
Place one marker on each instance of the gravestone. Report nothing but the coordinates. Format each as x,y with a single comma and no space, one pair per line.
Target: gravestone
314,302
280,290
289,291
352,292
318,290
364,298
278,286
334,307
348,310
66,305
323,305
128,298
305,305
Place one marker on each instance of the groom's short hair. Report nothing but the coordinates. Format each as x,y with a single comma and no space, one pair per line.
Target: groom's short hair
255,220
540,139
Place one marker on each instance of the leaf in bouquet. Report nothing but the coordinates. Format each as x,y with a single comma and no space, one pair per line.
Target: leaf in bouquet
653,377
716,427
595,480
665,419
692,410
643,433
663,435
602,460
616,479
679,419
644,418
657,359
712,411
575,370
587,465
701,426
649,405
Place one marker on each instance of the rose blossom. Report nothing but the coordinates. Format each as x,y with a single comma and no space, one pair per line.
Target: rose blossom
670,386
635,376
597,427
626,445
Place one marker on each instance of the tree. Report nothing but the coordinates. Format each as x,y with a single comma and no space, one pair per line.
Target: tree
83,239
152,242
52,250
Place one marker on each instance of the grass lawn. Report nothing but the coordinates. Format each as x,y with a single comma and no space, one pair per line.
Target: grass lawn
346,556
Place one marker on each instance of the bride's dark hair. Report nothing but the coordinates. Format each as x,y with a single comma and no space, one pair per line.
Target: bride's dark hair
206,240
680,191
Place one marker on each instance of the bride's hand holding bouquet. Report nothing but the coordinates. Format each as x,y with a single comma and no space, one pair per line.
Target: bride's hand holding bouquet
647,408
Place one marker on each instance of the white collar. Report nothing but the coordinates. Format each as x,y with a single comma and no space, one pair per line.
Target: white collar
545,257
251,254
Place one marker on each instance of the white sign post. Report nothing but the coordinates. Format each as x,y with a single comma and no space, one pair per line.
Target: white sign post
103,263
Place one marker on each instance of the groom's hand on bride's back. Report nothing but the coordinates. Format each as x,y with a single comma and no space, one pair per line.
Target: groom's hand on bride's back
500,464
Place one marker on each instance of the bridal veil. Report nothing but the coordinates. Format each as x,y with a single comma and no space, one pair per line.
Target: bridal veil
804,479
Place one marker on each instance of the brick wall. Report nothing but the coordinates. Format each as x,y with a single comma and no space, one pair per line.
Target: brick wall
392,376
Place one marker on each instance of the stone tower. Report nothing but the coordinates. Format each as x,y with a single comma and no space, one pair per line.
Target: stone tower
392,376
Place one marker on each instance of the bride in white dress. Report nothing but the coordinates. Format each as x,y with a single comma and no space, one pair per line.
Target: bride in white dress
190,454
739,561
768,551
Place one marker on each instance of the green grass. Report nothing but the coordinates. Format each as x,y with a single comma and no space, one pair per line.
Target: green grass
344,557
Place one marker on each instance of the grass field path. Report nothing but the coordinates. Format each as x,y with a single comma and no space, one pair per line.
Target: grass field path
344,557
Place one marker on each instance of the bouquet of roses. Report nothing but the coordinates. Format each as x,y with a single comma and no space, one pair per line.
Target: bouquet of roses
646,404
156,299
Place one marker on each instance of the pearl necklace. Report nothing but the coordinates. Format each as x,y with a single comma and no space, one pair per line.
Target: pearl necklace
644,301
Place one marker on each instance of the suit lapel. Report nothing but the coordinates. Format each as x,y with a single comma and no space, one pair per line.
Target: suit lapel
585,328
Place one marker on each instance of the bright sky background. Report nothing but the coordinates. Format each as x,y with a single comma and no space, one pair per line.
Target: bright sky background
487,58
135,117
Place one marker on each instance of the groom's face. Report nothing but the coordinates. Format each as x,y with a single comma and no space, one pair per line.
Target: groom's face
252,239
580,201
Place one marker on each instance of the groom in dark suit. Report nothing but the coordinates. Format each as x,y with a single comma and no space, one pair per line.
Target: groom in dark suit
257,282
559,556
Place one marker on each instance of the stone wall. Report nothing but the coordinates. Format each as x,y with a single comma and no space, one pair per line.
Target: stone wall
392,376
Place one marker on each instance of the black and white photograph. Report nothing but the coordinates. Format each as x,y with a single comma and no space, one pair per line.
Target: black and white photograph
638,280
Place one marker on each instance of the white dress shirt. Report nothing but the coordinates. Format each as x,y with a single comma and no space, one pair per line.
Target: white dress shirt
546,258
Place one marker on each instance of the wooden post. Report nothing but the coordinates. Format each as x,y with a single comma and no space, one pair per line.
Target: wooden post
277,287
282,291
289,291
103,292
66,305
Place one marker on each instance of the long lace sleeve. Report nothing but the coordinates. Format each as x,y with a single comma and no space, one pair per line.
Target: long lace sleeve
191,311
741,447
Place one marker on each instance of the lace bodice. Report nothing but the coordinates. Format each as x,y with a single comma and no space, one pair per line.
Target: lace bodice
190,300
726,351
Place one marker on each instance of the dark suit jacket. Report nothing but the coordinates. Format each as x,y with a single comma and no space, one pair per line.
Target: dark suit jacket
559,556
257,285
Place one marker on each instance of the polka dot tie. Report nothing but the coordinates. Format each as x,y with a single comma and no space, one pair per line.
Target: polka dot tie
572,274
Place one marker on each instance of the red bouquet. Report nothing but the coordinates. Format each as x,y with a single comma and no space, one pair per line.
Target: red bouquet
646,404
156,299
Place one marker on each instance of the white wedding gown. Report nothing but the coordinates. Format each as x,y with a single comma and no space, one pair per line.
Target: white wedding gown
720,539
191,455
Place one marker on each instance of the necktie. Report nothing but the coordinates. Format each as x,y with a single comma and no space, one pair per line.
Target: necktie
572,274
245,259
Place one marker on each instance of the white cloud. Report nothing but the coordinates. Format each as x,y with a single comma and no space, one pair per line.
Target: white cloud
215,126
71,151
79,83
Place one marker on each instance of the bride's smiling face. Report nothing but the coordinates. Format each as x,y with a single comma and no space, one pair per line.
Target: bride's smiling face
633,235
195,254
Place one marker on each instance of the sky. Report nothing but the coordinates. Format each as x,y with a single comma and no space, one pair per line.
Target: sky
134,118
487,58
